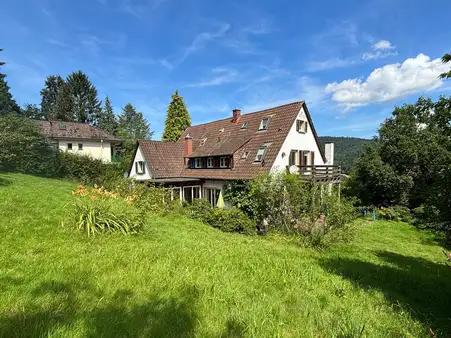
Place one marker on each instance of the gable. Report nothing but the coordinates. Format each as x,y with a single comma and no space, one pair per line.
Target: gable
139,157
300,141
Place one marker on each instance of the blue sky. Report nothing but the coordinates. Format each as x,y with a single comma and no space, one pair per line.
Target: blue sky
351,61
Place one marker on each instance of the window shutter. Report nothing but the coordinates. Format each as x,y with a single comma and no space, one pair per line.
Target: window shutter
301,154
204,162
191,163
227,162
216,162
313,157
136,167
144,167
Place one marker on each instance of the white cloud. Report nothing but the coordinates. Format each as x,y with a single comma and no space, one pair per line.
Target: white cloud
390,82
383,44
166,64
202,39
381,49
316,66
221,76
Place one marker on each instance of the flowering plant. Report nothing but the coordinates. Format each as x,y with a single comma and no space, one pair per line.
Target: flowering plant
99,211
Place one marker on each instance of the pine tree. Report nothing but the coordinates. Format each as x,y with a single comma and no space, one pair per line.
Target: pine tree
133,125
107,120
63,107
86,107
7,103
32,111
177,119
49,95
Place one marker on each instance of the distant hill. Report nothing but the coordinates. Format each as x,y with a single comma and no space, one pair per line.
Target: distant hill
347,149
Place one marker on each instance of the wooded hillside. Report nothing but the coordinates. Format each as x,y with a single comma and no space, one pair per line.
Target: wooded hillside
347,149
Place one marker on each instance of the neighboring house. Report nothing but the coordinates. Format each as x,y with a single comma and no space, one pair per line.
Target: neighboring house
80,138
209,155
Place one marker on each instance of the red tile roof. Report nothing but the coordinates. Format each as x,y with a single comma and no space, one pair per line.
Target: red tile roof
225,138
74,130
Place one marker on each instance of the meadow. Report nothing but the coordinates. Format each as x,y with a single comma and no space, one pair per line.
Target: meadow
181,278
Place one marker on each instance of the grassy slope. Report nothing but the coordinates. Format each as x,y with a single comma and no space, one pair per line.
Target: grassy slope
181,278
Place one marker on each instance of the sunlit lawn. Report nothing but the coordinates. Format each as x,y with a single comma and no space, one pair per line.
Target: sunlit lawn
180,278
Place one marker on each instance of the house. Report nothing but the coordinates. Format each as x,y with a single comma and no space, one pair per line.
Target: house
80,138
242,146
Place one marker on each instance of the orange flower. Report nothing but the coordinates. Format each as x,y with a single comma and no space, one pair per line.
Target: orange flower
81,186
129,202
94,198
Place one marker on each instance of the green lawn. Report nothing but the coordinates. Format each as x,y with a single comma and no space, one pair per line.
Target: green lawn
181,278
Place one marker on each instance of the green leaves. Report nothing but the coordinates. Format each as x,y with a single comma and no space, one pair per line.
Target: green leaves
7,103
177,119
133,125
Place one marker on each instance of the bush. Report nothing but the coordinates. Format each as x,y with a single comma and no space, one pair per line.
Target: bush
396,213
101,211
24,149
229,220
88,170
285,203
199,209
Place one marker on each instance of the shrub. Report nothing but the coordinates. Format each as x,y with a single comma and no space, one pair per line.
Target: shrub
24,149
199,209
88,170
229,220
283,202
396,213
101,211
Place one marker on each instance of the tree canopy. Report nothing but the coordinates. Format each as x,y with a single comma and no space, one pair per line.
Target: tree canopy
177,119
107,120
133,125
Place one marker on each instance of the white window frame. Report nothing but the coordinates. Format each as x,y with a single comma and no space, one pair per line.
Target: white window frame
210,195
140,168
264,124
261,154
245,125
191,188
222,162
302,126
210,162
198,162
80,146
69,146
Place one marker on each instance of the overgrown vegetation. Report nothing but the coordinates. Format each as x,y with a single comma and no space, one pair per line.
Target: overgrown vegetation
287,204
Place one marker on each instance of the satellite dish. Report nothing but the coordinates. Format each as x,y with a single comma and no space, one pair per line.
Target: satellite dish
293,169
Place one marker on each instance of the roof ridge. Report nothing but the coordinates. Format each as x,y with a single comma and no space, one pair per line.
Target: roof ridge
255,112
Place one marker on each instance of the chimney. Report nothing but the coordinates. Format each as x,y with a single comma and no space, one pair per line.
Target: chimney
188,145
236,113
329,152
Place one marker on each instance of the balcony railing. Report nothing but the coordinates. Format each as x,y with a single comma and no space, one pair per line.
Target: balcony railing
318,173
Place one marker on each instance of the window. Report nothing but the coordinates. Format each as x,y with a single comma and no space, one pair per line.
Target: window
212,195
198,163
62,126
292,159
191,193
176,193
222,162
202,142
140,167
80,146
261,153
301,126
244,155
264,124
69,146
210,162
244,125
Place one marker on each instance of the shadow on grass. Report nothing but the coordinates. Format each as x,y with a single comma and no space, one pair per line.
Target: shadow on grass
4,182
54,305
417,285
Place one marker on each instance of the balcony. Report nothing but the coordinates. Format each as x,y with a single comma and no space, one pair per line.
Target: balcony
318,173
